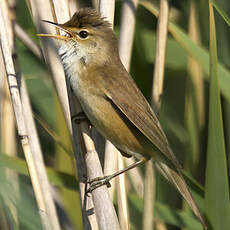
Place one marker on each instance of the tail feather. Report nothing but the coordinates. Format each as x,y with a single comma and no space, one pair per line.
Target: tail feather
175,177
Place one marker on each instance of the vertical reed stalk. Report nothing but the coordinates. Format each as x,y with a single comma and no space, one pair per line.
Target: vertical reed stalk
157,89
127,29
194,68
106,9
73,6
194,103
39,12
8,131
28,140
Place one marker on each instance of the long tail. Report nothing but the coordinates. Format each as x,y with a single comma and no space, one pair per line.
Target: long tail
175,177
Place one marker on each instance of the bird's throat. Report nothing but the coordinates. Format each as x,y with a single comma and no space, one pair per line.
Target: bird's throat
73,59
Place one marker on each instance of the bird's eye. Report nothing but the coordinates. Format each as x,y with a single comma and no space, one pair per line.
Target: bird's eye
83,34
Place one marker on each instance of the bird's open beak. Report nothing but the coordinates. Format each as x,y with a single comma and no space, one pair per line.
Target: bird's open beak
57,36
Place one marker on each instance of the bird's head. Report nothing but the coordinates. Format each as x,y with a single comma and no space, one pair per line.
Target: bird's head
87,36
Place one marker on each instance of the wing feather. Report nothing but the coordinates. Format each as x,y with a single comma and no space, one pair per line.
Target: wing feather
123,92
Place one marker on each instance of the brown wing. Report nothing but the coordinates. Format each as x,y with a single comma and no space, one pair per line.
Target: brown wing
124,93
126,96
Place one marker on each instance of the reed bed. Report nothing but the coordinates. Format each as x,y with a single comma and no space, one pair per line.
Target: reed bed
178,55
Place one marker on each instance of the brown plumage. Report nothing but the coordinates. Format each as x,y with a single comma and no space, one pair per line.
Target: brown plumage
111,99
87,17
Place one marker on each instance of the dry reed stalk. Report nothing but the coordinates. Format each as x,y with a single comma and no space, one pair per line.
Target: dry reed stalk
160,225
149,196
8,131
111,164
8,138
125,50
194,68
127,31
194,99
161,42
35,49
39,12
95,4
157,89
37,155
104,210
89,217
126,36
39,180
73,6
123,209
136,178
2,85
106,9
27,41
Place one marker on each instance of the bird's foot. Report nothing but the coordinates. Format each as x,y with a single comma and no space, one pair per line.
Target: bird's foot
79,117
98,182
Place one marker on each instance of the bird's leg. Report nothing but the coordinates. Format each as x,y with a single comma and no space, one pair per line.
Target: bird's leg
79,117
99,181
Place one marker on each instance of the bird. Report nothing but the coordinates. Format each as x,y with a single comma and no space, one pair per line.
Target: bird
110,98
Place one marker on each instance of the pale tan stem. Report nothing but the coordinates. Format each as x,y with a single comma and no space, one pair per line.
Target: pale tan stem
8,137
106,8
89,219
104,210
96,4
122,198
39,180
194,68
73,6
8,142
127,31
2,89
36,156
136,178
160,225
157,90
50,51
8,131
161,42
149,196
125,50
194,98
110,164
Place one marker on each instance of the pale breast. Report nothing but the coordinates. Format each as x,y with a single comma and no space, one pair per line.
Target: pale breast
111,122
102,113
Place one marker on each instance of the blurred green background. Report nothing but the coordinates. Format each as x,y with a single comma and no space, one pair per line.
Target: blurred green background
189,130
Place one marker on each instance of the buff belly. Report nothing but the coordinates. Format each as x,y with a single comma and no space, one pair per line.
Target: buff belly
115,126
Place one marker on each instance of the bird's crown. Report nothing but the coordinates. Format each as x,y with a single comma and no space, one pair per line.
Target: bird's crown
87,17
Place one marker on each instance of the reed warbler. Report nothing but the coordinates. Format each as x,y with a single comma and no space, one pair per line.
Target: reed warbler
110,98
